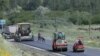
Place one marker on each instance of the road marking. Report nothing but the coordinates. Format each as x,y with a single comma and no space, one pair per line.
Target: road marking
42,49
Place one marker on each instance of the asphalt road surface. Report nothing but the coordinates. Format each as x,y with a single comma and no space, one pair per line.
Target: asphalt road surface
47,45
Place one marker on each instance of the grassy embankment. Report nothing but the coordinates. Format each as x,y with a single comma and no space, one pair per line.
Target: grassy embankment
8,49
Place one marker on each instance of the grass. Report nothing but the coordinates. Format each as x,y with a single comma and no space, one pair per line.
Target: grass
72,33
8,49
4,52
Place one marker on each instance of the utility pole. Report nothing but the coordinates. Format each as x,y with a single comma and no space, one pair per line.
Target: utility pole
90,21
89,27
91,11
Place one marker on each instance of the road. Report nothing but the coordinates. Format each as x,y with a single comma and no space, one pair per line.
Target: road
47,45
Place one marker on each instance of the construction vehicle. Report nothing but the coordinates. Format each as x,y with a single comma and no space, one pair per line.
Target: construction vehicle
78,46
59,42
23,32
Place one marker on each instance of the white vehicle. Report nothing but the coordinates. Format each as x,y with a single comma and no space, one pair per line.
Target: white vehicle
23,32
8,31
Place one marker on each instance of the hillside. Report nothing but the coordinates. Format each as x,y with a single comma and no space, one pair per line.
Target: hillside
75,11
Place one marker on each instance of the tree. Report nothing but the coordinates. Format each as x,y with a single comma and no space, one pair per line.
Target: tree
4,6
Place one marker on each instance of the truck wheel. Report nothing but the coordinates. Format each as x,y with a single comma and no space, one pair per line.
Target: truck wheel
82,50
74,50
54,49
65,49
15,39
32,38
19,39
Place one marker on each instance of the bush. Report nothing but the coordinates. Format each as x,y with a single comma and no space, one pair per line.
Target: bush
96,19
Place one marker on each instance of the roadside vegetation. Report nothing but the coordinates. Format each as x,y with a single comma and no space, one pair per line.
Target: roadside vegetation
8,49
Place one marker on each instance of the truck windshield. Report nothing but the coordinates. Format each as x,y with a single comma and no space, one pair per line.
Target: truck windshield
25,27
59,36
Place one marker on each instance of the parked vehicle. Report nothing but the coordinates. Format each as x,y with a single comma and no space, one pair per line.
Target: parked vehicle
59,42
24,32
6,32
